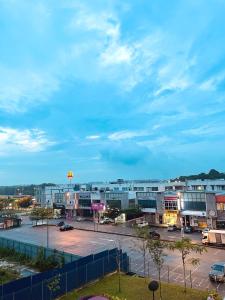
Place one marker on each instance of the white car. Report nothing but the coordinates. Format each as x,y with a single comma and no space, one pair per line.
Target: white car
79,219
142,224
105,221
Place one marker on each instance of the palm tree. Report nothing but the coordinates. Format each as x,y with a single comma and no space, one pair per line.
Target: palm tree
185,247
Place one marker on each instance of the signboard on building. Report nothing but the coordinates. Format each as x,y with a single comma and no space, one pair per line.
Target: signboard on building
97,206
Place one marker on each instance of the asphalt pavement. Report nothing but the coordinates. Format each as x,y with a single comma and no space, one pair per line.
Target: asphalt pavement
84,242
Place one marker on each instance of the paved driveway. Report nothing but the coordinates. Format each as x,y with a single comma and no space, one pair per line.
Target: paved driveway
83,242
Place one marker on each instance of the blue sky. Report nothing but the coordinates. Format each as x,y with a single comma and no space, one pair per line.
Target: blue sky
111,89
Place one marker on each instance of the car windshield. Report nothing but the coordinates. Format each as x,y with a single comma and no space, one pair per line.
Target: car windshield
218,268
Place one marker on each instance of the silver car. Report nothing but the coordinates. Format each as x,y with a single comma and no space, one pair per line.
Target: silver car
217,272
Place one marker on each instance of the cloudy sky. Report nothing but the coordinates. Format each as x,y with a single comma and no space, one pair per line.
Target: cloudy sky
111,89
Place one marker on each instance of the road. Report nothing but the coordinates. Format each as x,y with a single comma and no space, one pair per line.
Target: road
82,242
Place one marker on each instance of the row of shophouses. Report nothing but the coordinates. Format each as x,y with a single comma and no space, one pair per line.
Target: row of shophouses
198,203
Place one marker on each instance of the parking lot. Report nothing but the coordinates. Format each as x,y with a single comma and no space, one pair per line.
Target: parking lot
82,242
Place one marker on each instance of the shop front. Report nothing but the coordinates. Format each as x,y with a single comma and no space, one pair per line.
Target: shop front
196,219
70,206
170,217
150,215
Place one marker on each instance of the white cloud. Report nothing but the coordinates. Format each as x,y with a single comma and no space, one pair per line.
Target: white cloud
20,89
211,84
93,137
116,54
208,130
155,143
126,134
104,22
27,140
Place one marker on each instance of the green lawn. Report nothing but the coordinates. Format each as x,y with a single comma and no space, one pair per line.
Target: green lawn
135,288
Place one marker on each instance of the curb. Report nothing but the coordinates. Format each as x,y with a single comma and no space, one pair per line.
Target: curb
107,232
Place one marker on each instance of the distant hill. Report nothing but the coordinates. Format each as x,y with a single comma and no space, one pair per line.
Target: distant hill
21,189
213,174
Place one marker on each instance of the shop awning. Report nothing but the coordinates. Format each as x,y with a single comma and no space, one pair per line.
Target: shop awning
149,210
193,213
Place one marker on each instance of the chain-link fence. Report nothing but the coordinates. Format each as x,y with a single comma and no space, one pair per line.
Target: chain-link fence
50,285
32,251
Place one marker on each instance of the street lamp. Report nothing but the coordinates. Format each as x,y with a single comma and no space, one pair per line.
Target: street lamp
153,286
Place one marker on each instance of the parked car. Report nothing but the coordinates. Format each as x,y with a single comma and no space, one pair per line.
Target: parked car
79,219
217,272
57,217
188,229
154,235
105,221
172,228
142,224
66,227
60,224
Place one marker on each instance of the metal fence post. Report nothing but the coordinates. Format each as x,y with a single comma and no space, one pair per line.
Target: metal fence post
66,282
103,266
190,278
168,274
86,273
129,264
148,270
42,290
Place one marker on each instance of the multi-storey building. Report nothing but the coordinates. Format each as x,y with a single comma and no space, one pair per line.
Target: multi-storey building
197,208
189,203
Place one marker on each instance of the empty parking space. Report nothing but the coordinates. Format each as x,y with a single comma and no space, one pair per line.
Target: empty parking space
83,243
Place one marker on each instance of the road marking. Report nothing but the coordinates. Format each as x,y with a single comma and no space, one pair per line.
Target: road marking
216,252
107,240
94,242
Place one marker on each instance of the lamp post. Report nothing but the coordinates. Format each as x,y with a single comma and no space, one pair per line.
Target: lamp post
153,286
47,234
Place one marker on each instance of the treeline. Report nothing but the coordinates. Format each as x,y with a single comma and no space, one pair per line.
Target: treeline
21,189
213,174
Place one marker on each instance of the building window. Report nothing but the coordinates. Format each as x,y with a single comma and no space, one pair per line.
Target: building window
84,202
220,206
116,189
114,203
155,188
132,203
138,188
170,205
192,205
147,203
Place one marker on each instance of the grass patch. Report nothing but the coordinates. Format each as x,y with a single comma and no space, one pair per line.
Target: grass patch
135,288
7,275
39,263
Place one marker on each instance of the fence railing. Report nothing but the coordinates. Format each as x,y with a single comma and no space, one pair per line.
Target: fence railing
56,282
32,251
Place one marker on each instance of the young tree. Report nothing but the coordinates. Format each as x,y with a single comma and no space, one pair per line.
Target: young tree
185,247
156,251
41,213
53,284
142,243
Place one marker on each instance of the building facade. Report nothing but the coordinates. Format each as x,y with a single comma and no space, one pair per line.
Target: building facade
198,203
